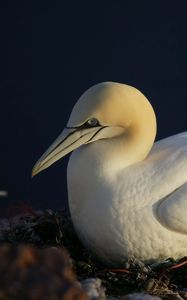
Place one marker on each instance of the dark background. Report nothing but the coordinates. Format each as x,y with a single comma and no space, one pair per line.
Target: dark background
51,52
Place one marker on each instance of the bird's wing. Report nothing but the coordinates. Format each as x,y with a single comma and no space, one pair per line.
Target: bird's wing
171,142
160,182
171,211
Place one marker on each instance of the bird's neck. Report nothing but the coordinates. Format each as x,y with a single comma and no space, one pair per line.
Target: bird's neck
123,151
108,156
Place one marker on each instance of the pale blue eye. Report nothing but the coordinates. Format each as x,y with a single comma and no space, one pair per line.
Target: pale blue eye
93,122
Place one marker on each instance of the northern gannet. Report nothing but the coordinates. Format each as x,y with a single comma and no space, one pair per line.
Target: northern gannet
127,194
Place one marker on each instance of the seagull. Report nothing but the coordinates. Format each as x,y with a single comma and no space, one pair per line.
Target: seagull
127,193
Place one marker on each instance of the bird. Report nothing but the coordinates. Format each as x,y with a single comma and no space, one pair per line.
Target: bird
127,193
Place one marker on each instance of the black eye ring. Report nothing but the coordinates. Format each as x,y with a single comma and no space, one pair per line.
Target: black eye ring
93,122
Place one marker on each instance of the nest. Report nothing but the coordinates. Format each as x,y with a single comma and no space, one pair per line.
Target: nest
48,230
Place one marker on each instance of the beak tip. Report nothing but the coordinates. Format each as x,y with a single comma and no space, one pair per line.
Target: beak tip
35,171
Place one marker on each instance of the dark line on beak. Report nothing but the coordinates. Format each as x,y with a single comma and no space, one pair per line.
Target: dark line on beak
75,127
67,136
74,141
66,146
96,133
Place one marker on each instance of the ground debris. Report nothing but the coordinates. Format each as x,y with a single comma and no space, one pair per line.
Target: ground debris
47,229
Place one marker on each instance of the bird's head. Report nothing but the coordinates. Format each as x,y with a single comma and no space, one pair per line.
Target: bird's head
106,110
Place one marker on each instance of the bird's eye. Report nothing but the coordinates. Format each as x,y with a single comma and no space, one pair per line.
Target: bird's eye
92,122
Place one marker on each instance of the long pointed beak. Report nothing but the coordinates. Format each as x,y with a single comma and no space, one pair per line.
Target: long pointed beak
69,140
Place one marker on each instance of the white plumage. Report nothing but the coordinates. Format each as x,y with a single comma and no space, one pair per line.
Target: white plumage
127,196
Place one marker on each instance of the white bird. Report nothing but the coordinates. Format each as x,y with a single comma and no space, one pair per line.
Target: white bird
127,194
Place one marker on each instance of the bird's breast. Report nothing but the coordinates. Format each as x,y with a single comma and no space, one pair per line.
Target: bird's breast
103,218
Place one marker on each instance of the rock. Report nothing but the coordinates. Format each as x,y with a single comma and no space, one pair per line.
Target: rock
28,273
93,288
140,296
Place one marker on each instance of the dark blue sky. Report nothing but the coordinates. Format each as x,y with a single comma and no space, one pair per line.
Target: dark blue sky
51,51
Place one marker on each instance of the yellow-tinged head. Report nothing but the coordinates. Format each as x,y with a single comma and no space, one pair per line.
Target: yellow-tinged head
105,111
